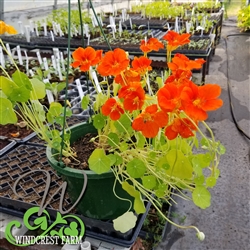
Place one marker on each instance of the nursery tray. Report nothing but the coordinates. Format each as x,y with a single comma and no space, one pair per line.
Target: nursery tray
25,158
9,145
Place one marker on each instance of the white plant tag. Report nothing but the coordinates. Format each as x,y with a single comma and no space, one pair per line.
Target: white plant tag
130,21
120,28
52,36
188,26
62,61
56,53
36,29
59,69
19,55
46,67
176,26
2,61
53,62
31,72
20,25
27,61
31,25
27,33
39,57
9,53
79,87
49,93
97,84
45,29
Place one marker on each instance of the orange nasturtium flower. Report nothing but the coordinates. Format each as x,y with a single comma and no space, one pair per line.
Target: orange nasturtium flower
179,77
112,108
133,95
151,44
174,40
113,62
169,97
6,28
180,61
127,76
85,58
179,126
150,121
197,100
141,65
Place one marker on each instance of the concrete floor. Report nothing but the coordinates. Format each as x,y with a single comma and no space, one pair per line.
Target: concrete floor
226,223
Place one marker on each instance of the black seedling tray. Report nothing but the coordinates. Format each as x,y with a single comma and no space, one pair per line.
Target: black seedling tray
25,158
8,147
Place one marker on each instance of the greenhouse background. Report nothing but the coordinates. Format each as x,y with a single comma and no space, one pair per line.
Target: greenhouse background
225,49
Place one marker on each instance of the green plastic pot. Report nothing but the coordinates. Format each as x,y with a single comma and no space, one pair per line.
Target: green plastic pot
98,200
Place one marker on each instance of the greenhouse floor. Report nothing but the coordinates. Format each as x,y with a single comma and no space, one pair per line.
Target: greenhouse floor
226,223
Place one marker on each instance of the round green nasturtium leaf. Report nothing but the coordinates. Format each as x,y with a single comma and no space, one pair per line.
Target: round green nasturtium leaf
123,124
22,80
162,163
119,160
7,114
123,146
99,121
161,190
38,91
149,181
113,139
125,222
180,166
136,168
99,162
55,109
85,102
199,180
112,158
201,197
7,85
211,181
20,94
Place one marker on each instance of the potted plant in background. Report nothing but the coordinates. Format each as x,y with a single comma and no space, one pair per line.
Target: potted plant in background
150,144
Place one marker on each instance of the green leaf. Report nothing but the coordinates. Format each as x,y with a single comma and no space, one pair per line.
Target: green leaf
125,222
180,166
38,91
161,191
199,180
123,146
140,140
222,149
211,181
119,159
7,114
112,158
149,181
99,162
55,109
139,206
113,139
123,124
162,163
22,80
201,197
216,173
99,121
60,86
136,168
20,94
85,102
7,85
